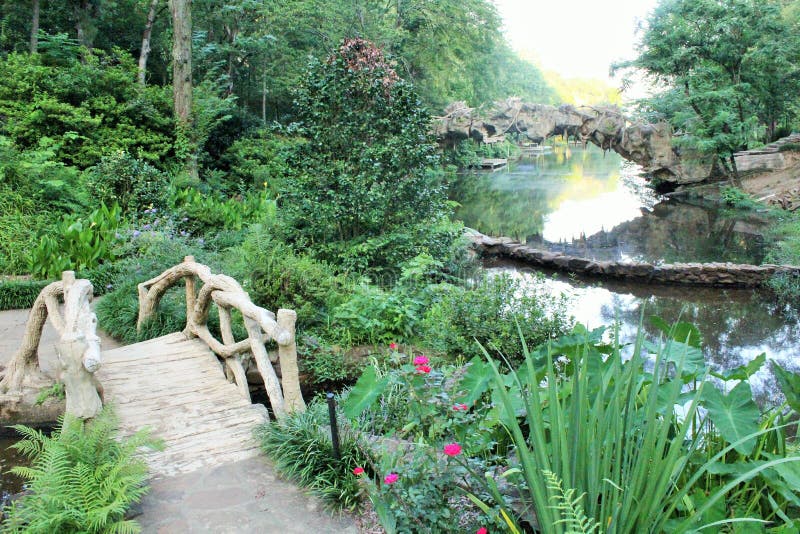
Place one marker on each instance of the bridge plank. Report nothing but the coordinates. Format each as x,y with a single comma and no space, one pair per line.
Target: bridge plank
176,386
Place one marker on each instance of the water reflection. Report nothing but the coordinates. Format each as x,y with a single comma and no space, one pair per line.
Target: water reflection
737,324
590,204
9,484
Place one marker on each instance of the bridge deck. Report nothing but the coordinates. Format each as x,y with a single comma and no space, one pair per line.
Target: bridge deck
176,387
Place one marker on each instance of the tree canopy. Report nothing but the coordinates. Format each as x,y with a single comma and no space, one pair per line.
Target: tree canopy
730,71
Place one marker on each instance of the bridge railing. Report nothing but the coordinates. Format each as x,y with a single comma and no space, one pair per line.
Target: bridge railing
261,325
78,347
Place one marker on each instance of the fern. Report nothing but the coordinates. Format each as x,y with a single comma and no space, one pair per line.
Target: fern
569,507
81,479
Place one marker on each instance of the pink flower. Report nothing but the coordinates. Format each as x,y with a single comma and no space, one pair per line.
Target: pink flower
358,471
421,360
423,369
460,407
391,478
452,449
393,345
482,530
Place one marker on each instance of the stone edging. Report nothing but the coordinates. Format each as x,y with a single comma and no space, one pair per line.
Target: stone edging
700,274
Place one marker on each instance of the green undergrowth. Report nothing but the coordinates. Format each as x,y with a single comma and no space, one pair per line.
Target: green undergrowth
82,478
301,447
19,294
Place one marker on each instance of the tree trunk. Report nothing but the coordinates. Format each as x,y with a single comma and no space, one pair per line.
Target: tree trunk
84,12
181,11
35,27
145,53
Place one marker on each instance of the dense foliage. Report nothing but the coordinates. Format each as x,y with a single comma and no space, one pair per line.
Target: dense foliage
367,170
731,72
82,478
589,439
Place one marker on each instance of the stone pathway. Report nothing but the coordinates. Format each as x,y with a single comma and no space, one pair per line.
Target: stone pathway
243,497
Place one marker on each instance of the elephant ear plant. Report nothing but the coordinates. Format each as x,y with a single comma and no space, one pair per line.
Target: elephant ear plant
626,441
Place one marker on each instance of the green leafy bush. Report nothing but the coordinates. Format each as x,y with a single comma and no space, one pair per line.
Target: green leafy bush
208,212
363,196
133,184
301,447
81,479
490,312
277,277
90,106
19,294
735,197
79,243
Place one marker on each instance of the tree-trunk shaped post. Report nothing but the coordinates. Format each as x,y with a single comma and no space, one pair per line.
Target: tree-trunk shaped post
290,374
191,297
78,347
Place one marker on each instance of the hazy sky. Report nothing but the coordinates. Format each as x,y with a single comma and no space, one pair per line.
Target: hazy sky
577,38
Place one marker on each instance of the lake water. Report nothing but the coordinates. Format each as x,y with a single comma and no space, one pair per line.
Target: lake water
591,204
9,483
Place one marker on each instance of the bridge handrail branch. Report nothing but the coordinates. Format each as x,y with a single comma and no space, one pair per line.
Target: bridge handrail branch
261,325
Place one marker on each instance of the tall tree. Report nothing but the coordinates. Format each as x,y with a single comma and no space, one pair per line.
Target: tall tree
731,69
35,27
144,53
181,11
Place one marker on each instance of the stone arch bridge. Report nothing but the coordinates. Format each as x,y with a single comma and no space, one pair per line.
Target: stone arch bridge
649,145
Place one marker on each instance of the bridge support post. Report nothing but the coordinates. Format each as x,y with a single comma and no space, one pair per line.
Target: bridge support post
287,353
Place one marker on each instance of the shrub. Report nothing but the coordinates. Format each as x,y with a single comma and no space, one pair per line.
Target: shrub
364,197
133,184
19,294
491,312
735,197
81,479
277,277
301,447
79,243
207,212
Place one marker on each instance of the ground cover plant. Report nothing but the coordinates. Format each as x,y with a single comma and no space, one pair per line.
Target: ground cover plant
82,478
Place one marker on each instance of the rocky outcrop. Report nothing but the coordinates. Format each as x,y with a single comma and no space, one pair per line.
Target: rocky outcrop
700,274
649,145
776,156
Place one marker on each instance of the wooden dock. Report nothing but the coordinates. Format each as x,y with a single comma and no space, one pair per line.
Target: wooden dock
177,388
488,163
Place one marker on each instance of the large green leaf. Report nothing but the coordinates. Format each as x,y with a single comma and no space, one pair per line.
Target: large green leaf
475,381
735,415
743,372
690,359
363,394
790,385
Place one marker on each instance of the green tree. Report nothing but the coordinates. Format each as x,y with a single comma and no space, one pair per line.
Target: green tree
731,68
364,197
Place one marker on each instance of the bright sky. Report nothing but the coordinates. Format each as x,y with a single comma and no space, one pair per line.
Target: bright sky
576,38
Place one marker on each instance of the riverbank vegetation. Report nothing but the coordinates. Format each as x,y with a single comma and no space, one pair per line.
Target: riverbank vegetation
466,398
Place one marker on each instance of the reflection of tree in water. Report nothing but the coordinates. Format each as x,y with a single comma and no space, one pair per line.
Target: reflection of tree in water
736,324
676,232
514,202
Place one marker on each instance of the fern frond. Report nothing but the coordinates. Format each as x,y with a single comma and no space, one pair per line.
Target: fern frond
569,507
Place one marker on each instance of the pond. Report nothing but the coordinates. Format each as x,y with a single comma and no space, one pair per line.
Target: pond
9,484
587,203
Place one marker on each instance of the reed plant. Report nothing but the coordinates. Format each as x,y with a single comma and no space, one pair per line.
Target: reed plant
626,439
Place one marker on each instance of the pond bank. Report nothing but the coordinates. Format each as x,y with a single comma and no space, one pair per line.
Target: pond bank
700,274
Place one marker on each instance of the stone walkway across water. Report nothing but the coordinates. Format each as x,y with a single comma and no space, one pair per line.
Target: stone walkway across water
243,497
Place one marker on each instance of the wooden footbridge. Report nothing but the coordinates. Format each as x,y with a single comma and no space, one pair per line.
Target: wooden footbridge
189,388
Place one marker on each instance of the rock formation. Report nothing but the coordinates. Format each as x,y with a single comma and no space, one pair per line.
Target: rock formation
649,145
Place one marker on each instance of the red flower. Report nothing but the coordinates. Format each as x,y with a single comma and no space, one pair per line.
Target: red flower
358,471
424,369
482,530
421,360
460,407
452,449
393,345
391,478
